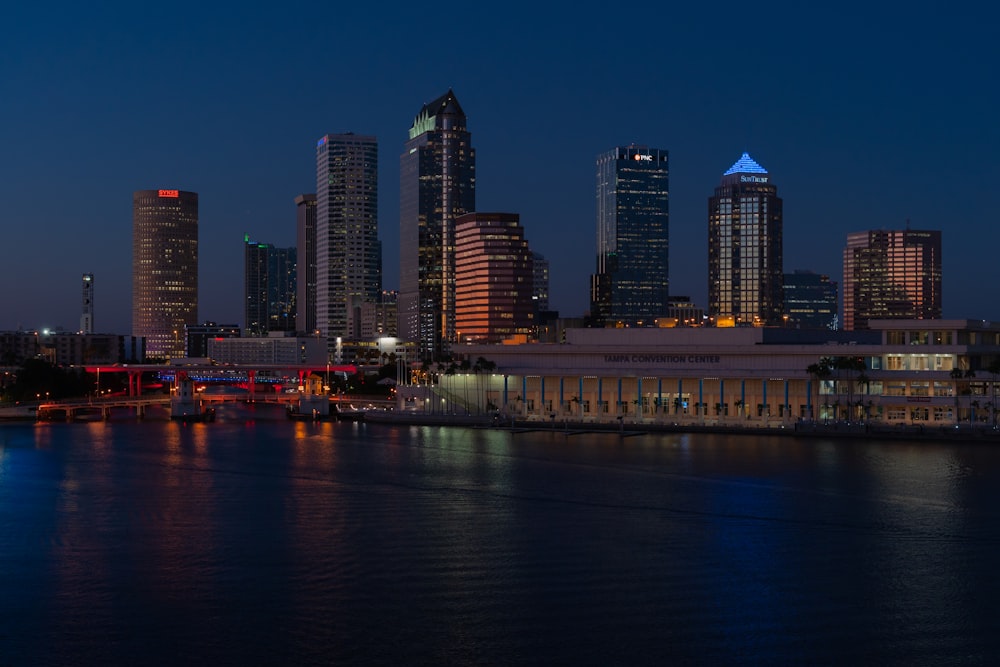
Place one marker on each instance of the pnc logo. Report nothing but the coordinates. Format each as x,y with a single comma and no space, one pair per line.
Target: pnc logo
642,158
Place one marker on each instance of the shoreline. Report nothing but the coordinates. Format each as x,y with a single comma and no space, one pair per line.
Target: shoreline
802,429
624,427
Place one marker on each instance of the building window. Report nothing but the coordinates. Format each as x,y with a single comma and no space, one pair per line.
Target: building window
894,362
895,388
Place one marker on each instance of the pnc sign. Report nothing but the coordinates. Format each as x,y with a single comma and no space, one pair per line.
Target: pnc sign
642,158
169,193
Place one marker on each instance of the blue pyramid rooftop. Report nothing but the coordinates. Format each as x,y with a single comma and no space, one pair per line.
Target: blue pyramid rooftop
745,165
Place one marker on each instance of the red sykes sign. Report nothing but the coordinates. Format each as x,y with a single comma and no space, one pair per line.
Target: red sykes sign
170,193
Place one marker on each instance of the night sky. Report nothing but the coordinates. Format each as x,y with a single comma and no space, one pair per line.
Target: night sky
865,116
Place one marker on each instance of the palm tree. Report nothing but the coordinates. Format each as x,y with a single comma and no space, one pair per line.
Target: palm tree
863,381
956,375
994,370
819,371
969,373
851,365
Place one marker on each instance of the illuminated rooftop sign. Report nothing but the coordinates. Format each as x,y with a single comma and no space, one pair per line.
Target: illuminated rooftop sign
321,142
170,193
642,158
745,165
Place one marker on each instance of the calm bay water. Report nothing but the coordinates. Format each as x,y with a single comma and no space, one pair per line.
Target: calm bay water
270,542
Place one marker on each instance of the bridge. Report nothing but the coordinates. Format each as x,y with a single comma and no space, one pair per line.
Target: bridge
248,376
93,409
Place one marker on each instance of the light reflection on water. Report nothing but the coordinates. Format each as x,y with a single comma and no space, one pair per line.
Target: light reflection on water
256,541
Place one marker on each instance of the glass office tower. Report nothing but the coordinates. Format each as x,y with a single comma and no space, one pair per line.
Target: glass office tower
305,262
745,275
631,286
810,300
437,184
268,288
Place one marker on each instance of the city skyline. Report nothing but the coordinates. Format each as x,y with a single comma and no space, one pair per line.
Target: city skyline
853,121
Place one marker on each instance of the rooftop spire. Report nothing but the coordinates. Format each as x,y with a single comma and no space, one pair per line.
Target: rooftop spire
745,165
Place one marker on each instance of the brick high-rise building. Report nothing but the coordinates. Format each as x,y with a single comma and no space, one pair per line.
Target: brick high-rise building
891,275
494,278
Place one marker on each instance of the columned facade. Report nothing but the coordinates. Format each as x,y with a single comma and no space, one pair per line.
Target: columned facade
901,373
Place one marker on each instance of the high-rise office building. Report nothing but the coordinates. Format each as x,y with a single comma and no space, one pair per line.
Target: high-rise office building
164,268
198,335
437,184
745,273
87,304
494,279
348,252
891,275
540,288
268,288
810,300
305,236
631,286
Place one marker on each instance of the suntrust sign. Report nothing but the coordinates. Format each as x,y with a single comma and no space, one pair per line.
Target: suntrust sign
753,179
662,358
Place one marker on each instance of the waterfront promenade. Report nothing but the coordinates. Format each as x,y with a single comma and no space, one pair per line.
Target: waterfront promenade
376,411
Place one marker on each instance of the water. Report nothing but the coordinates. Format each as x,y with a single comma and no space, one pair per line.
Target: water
269,542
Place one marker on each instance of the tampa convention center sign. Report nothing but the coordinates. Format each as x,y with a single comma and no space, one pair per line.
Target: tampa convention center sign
661,359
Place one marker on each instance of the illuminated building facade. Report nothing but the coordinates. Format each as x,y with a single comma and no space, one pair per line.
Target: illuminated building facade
810,300
305,263
745,274
164,268
437,185
348,252
87,304
494,279
268,288
891,275
916,372
631,286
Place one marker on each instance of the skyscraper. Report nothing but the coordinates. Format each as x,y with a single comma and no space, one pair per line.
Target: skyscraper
87,304
494,278
164,268
745,274
437,184
631,286
348,252
305,236
891,275
810,300
268,288
540,290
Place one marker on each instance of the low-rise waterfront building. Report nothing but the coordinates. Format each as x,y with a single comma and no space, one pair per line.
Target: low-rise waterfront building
899,372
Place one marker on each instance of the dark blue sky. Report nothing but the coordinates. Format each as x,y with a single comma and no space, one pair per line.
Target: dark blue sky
865,116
